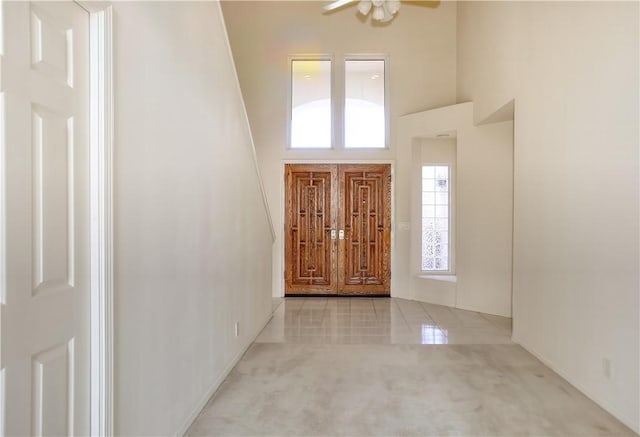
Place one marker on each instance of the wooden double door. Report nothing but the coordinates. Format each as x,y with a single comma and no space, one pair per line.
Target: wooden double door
337,229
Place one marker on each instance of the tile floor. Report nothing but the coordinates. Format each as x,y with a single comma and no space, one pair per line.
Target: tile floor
380,321
365,367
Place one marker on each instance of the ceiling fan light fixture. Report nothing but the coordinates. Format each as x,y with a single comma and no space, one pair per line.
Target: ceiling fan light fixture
364,7
378,13
393,6
380,10
388,16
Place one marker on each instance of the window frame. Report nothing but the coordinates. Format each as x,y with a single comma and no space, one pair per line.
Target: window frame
343,98
338,99
450,230
332,94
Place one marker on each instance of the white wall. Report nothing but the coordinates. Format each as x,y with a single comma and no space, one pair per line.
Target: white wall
421,46
573,71
192,240
482,160
485,217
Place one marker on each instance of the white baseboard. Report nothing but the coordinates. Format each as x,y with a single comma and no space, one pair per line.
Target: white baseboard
605,405
219,380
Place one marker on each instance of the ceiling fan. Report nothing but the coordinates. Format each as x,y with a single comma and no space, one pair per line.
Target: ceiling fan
383,10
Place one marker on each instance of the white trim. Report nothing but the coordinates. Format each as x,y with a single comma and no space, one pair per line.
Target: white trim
338,99
3,194
391,162
245,115
2,402
339,161
442,278
3,219
101,71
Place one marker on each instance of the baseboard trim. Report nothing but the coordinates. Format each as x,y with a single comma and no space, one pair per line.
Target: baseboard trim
216,384
627,421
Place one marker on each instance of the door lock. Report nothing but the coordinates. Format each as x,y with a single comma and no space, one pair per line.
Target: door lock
341,234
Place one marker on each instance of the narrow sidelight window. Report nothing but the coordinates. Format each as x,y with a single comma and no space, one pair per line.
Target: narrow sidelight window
435,218
310,115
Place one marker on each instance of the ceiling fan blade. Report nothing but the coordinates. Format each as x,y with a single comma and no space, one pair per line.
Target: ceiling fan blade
338,4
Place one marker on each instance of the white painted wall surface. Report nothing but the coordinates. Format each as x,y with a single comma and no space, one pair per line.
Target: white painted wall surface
421,46
483,194
192,242
485,217
573,71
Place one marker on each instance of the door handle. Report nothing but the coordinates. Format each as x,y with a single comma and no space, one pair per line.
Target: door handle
333,234
341,234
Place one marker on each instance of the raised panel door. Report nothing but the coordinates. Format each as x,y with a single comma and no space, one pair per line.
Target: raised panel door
45,296
337,229
310,219
365,216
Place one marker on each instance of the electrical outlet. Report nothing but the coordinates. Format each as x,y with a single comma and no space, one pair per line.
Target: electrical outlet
607,368
237,329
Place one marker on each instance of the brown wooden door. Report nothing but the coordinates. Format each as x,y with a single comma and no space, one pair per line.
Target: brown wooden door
310,217
365,217
320,201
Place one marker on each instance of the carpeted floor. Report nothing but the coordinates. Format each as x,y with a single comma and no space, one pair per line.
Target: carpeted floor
296,388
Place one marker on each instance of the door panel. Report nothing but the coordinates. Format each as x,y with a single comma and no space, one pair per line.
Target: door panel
310,217
365,216
355,199
45,316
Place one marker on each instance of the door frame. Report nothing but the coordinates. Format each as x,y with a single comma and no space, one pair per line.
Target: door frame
101,198
101,215
281,248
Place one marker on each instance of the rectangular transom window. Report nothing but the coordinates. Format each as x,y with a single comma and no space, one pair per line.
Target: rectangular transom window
311,106
435,218
364,105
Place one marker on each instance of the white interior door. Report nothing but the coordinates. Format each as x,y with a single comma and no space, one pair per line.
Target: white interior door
45,317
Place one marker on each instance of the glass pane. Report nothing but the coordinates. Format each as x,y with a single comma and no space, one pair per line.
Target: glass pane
441,198
441,250
442,211
428,211
441,264
310,104
442,172
437,250
442,224
441,237
428,185
364,104
428,225
428,172
435,218
428,237
429,250
428,198
427,263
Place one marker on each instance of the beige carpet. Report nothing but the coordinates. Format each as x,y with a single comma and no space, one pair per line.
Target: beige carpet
388,389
